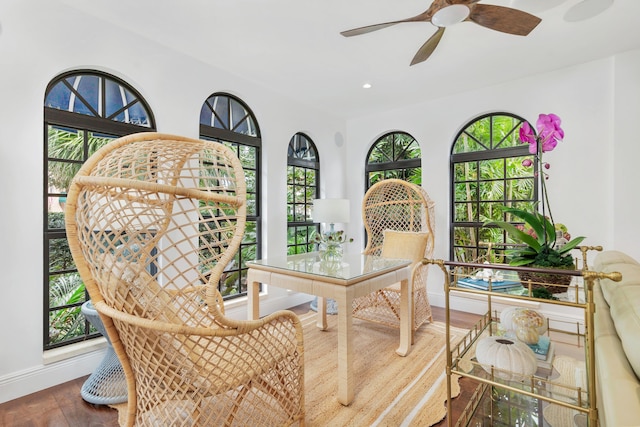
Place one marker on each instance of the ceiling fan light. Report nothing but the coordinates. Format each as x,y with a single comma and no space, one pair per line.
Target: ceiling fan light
450,15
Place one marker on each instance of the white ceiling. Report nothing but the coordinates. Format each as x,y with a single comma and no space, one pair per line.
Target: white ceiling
294,46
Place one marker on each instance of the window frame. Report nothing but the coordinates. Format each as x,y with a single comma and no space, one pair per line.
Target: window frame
88,125
493,152
396,165
307,165
228,136
400,166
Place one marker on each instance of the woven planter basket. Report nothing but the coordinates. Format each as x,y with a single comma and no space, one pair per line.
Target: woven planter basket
555,283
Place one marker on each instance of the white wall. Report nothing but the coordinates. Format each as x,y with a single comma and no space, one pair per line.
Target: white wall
626,154
591,184
36,46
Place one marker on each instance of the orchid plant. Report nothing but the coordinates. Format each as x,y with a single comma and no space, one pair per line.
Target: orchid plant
330,245
331,238
538,235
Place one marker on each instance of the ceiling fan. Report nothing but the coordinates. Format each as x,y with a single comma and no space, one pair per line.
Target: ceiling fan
443,13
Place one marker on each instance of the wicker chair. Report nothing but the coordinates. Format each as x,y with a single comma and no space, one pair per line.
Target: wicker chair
152,222
394,204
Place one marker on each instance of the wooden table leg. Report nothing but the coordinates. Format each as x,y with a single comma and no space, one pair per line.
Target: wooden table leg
406,321
321,319
253,296
346,390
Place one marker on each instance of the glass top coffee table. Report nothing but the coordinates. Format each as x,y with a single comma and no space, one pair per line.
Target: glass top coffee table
356,275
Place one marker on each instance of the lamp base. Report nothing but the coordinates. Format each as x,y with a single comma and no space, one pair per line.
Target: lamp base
332,305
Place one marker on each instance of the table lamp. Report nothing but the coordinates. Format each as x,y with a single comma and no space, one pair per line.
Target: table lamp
330,211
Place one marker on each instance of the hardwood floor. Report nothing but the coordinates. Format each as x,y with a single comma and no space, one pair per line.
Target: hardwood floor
62,406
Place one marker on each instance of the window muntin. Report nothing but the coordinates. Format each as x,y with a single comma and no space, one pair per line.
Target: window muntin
98,96
80,117
228,120
226,112
394,155
303,169
487,174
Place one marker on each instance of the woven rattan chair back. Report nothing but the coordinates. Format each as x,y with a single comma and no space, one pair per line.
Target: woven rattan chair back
394,204
154,224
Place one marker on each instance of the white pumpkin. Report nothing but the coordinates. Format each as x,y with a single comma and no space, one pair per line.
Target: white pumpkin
509,315
513,359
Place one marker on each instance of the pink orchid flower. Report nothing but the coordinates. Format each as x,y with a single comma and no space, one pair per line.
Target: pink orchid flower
527,135
549,132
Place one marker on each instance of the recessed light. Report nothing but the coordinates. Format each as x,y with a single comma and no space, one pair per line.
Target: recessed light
586,9
366,86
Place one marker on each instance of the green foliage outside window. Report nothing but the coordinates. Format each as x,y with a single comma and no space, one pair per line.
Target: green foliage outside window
66,290
302,188
394,155
82,112
67,149
487,174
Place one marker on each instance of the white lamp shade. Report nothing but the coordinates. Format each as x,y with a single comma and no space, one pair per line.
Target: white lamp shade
450,15
331,211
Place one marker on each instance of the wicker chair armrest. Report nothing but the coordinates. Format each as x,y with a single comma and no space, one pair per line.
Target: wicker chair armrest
243,326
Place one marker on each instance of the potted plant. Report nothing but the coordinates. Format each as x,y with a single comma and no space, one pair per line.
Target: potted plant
539,247
541,243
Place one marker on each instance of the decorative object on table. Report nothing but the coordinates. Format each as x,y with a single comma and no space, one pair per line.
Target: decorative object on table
483,285
330,211
489,274
524,323
544,350
513,359
107,384
488,278
330,246
542,347
395,205
152,221
537,238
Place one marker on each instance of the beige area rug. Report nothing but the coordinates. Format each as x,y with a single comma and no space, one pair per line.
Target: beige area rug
389,390
572,373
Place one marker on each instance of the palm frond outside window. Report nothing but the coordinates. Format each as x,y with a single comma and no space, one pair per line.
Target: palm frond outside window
303,181
83,110
486,175
394,155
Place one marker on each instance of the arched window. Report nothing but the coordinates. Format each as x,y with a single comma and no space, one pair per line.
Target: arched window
226,119
394,155
83,110
487,174
303,171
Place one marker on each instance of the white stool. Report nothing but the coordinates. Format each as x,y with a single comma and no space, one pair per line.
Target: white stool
107,385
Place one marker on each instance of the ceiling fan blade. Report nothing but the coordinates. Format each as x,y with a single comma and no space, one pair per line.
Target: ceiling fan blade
428,47
462,1
375,27
504,19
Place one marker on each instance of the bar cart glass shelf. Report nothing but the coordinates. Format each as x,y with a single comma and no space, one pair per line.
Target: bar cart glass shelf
559,393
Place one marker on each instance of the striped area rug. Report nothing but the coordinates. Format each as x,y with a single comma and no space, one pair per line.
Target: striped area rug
390,390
